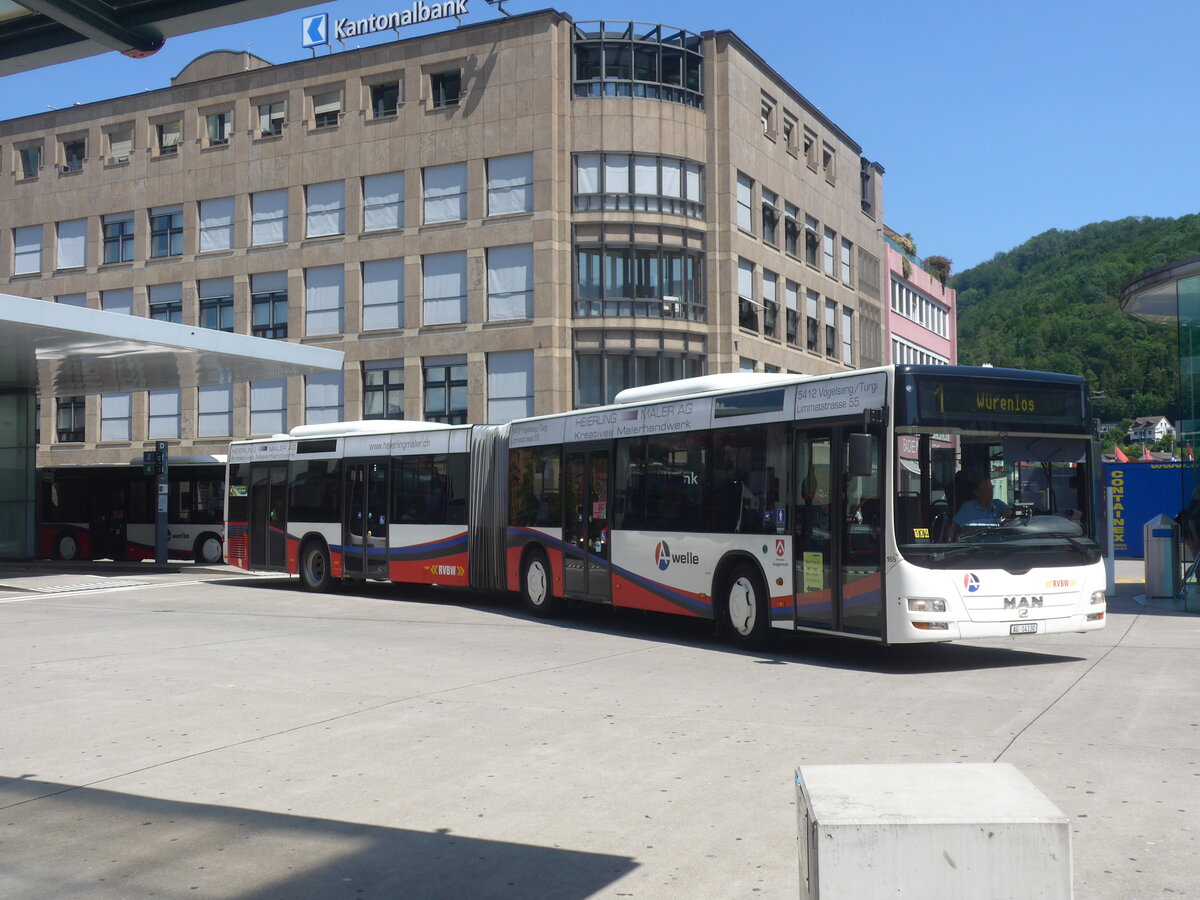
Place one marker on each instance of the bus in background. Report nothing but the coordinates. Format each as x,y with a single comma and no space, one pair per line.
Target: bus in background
107,512
836,504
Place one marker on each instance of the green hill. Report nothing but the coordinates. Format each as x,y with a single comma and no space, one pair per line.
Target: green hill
1051,304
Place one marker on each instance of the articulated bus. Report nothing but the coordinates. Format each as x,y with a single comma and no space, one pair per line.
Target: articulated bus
899,504
107,512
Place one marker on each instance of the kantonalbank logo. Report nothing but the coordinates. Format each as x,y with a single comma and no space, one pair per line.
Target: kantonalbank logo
315,29
663,557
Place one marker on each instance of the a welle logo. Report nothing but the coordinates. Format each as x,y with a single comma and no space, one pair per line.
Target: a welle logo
316,28
663,557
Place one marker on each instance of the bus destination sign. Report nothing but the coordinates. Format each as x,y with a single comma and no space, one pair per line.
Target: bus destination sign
965,401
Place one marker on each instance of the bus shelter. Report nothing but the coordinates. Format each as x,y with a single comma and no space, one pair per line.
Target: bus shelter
50,350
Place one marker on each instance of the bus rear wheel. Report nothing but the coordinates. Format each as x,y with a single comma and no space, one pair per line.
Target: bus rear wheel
537,586
66,547
746,611
207,551
314,567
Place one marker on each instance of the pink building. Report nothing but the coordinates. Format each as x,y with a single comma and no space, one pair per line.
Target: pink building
922,320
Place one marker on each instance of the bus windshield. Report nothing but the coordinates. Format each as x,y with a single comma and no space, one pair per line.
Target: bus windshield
994,501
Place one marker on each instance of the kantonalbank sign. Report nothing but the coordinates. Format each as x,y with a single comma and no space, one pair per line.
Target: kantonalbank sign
315,29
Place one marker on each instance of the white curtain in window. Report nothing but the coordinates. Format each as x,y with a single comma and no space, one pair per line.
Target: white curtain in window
445,288
169,134
695,188
672,185
216,224
383,294
645,175
27,250
745,279
792,294
446,193
323,398
116,411
268,217
847,336
587,173
118,300
163,419
510,385
213,288
745,197
383,201
327,103
268,406
769,281
268,283
324,297
166,293
72,300
214,411
120,144
616,174
326,209
510,184
72,244
510,282
813,305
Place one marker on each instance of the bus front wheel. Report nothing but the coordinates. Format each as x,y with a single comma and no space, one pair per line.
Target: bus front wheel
207,551
314,567
66,547
746,611
537,586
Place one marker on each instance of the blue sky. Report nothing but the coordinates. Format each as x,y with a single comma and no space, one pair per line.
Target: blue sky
995,122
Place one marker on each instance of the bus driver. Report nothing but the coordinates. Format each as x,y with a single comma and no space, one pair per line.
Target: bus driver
980,510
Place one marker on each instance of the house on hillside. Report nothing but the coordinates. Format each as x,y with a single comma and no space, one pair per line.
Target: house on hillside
1149,429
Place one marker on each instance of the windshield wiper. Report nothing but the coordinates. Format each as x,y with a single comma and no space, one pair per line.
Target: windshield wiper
966,548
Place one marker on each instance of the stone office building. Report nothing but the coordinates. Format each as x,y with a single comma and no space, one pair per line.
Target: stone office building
509,218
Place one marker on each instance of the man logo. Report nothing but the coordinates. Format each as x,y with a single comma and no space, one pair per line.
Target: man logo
662,556
971,582
315,30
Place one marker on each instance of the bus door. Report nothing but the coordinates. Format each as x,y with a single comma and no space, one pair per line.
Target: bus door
365,526
268,515
587,567
837,530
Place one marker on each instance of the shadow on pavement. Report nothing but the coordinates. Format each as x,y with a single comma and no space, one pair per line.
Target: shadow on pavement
63,841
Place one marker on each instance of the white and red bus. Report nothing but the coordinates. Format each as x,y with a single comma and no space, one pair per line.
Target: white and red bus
829,503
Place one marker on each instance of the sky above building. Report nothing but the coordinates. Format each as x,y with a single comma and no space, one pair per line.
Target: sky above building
994,122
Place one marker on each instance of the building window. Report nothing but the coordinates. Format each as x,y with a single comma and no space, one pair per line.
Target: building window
214,411
510,385
791,229
220,126
661,184
867,187
634,59
810,149
847,336
166,303
831,338
745,202
770,217
445,88
118,238
323,398
30,161
117,300
268,406
324,299
327,109
790,142
69,420
383,294
446,389
813,329
162,415
446,193
268,217
646,282
747,307
116,416
766,116
383,390
383,202
271,118
847,267
74,152
216,304
828,163
27,250
166,232
216,224
269,305
444,285
510,282
169,135
510,184
120,144
79,300
792,302
916,307
828,245
770,299
326,213
385,99
812,241
72,244
599,377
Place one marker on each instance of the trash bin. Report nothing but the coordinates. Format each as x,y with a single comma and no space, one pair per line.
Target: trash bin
1161,542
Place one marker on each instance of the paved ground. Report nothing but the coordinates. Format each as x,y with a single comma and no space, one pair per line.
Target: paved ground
201,733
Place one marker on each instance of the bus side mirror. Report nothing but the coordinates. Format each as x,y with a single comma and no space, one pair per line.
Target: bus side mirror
861,454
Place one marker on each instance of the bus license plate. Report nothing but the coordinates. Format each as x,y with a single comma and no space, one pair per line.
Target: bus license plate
1023,628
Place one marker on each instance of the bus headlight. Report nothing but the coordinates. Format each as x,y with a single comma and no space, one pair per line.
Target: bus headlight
924,605
1097,597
